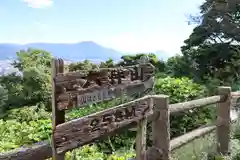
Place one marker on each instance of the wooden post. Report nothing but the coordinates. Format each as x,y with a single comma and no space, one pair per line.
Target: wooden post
58,117
142,136
223,120
141,139
160,130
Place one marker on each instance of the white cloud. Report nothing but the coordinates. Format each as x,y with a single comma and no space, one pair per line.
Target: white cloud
39,3
167,39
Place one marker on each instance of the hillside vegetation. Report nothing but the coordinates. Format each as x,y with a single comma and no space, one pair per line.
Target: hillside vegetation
209,58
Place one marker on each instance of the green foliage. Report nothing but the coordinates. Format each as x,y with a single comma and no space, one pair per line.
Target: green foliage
108,64
34,85
211,54
36,68
86,65
32,124
122,155
214,26
180,90
92,152
15,134
128,60
3,97
24,126
210,58
26,114
88,152
33,58
14,85
178,66
92,108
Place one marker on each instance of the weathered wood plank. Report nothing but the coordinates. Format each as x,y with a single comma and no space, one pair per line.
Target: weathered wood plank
69,76
184,106
84,130
235,94
142,136
148,68
235,101
224,121
74,81
99,94
160,130
141,139
42,150
58,117
39,151
188,137
63,77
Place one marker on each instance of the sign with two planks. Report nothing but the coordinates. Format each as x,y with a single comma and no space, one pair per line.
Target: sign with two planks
75,89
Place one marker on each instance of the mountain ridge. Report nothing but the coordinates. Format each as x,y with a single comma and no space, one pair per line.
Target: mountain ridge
69,51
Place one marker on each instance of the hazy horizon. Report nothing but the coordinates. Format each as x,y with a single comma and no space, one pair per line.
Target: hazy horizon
126,26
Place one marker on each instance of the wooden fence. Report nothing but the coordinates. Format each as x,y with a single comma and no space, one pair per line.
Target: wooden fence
76,89
159,116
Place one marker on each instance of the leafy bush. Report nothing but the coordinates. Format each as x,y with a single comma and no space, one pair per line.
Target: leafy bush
32,124
180,90
92,152
3,97
15,134
26,114
122,155
87,152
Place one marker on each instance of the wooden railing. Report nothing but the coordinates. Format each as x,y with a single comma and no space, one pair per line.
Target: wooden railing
154,109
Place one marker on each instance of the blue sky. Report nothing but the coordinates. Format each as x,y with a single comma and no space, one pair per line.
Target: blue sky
125,25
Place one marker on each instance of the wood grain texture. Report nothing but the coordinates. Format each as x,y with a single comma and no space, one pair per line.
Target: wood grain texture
99,94
224,121
161,128
82,131
185,106
141,138
58,117
39,151
190,136
74,81
75,89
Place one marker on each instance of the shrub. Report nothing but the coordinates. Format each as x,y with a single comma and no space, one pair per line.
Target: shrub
92,152
33,124
26,114
87,152
3,97
180,90
15,134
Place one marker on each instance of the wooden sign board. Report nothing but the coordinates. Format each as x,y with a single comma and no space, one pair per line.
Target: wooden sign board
76,90
96,96
87,129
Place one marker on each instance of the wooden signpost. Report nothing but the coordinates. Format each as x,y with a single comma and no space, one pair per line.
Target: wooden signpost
75,89
85,130
78,90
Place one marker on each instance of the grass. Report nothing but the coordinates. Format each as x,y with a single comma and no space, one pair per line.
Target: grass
204,148
197,149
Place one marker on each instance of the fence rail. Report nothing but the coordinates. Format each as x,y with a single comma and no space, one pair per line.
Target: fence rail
159,116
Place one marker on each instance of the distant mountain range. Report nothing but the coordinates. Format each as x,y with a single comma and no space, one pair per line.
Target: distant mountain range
72,52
